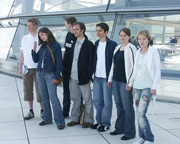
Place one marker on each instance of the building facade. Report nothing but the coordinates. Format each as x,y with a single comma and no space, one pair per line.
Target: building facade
160,17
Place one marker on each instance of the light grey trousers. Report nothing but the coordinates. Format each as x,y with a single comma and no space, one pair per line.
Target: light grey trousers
75,93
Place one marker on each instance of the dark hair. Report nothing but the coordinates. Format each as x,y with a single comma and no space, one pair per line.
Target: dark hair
127,31
50,36
70,20
103,26
147,35
82,26
33,21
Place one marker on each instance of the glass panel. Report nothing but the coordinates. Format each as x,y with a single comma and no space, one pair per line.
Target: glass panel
7,30
57,26
5,7
44,6
117,4
164,29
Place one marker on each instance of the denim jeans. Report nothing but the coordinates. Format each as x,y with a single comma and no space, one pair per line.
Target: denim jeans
48,92
125,122
102,99
142,100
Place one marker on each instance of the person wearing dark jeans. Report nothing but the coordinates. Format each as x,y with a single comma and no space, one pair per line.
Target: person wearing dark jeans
70,38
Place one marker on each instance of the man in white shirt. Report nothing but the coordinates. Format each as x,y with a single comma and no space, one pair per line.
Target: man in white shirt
25,59
102,94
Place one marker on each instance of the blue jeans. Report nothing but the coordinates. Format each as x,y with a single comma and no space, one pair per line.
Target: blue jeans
142,100
125,122
102,99
48,92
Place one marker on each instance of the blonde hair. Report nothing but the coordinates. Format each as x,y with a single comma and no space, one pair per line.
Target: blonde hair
147,35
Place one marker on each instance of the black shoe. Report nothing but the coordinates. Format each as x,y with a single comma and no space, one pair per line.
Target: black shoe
29,116
65,115
125,138
115,133
43,123
61,127
103,128
95,126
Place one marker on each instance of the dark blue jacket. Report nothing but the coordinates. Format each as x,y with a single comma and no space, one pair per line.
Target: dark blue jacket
110,46
48,62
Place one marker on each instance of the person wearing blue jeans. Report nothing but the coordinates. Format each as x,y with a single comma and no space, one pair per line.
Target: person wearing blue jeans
120,78
146,77
102,94
49,58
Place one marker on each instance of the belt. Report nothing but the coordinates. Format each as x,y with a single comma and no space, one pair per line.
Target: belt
41,69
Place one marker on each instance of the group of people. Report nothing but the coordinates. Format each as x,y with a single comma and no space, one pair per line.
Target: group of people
118,70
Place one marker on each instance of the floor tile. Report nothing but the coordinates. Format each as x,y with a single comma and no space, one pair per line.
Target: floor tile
12,131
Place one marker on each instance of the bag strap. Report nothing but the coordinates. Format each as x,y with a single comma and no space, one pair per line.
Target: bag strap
51,55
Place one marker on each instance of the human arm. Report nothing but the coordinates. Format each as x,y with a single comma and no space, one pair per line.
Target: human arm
58,59
157,69
21,60
34,54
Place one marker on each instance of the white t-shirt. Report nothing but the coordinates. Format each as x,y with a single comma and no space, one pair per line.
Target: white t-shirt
143,78
27,45
101,66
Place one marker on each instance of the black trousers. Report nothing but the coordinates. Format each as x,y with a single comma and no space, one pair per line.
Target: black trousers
66,93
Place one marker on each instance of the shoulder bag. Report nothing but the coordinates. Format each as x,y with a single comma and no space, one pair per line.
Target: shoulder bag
60,78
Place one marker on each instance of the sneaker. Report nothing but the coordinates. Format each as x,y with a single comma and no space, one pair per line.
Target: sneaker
29,116
147,142
41,114
139,141
95,126
103,128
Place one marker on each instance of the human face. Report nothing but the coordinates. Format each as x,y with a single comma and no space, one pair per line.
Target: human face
100,32
77,31
143,41
32,28
124,38
68,26
43,36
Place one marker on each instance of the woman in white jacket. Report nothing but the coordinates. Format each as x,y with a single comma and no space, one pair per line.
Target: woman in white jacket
120,78
146,77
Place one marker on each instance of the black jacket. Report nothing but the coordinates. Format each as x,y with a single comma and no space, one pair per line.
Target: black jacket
85,61
70,39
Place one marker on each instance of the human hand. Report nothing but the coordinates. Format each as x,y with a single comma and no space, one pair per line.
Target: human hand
20,70
35,46
128,88
109,84
153,92
54,81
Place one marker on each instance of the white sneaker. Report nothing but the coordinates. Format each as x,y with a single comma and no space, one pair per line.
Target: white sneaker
147,142
139,141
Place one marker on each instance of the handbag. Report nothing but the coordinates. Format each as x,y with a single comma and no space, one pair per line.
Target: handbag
82,114
24,69
60,78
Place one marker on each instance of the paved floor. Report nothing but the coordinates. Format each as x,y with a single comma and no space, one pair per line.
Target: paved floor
14,130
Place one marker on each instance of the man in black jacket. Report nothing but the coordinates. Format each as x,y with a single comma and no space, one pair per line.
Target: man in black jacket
80,74
70,38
